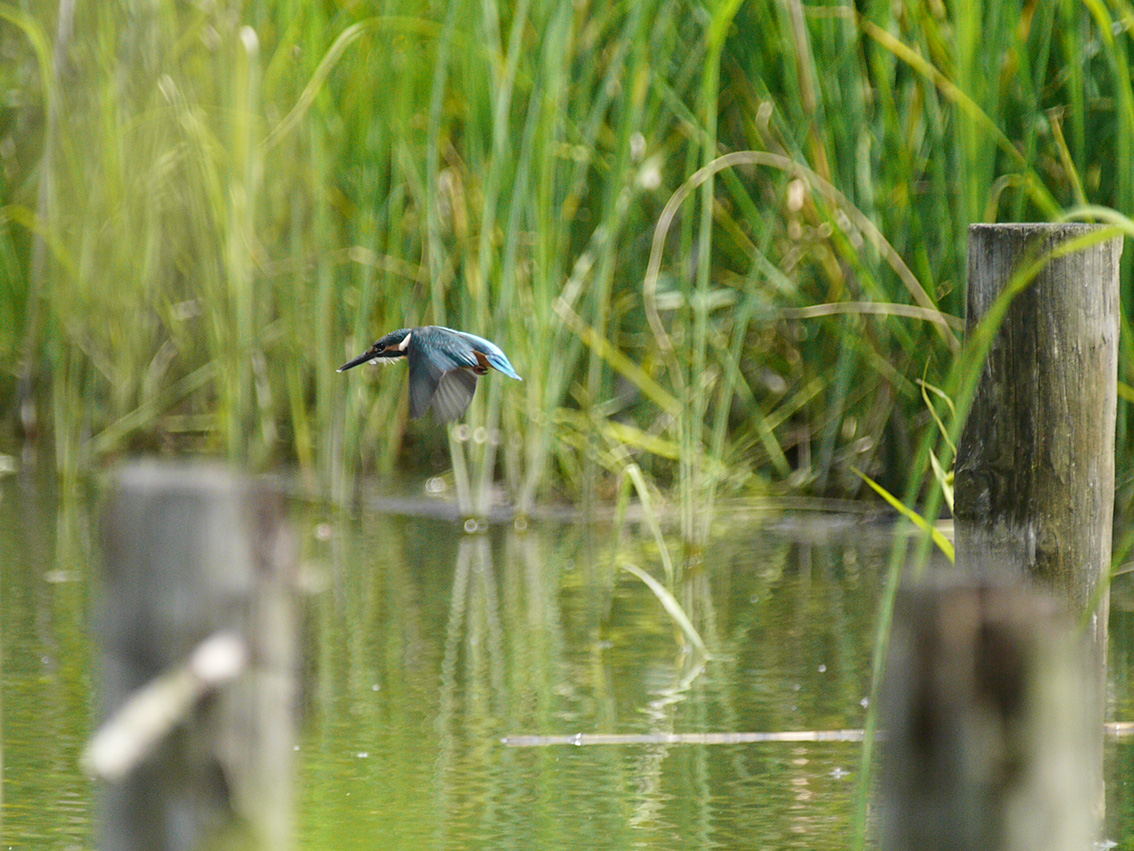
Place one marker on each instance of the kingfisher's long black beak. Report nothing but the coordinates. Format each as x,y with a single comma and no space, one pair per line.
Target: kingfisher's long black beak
366,356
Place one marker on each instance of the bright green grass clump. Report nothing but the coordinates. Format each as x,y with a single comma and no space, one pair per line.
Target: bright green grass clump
722,243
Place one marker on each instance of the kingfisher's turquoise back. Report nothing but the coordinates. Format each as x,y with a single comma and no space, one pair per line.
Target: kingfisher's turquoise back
493,353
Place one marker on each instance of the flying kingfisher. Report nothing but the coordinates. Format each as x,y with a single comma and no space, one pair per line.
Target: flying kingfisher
443,366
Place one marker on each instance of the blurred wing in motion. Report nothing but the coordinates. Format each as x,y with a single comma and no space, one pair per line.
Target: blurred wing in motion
454,392
449,391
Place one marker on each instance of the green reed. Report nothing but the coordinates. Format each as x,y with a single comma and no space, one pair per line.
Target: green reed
730,238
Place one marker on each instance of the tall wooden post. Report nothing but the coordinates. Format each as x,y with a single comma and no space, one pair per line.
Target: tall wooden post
994,700
1034,480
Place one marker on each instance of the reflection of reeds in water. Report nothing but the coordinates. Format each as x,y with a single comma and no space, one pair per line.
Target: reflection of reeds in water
510,634
473,690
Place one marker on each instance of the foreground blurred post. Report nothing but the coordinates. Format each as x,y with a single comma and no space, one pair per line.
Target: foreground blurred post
197,627
995,695
987,747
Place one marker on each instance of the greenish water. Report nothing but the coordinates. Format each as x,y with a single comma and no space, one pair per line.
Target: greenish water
425,647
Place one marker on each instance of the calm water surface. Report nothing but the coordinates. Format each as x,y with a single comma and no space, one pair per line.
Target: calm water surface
426,647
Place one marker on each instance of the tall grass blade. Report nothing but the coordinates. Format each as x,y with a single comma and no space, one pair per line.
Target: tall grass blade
670,604
651,517
920,522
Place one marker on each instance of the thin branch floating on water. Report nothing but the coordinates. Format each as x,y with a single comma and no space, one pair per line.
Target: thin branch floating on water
1113,729
580,739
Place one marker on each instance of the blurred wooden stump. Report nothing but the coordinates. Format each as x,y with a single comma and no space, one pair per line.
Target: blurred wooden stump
987,744
197,626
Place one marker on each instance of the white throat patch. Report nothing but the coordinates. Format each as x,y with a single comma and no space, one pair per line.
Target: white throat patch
404,344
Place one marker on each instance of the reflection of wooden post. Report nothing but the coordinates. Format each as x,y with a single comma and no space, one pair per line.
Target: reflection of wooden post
193,554
987,746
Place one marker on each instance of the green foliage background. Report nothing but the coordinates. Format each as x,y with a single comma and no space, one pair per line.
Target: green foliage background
208,206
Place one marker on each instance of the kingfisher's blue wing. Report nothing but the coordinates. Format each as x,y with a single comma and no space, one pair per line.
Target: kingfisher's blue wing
448,390
423,380
454,393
